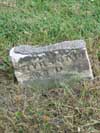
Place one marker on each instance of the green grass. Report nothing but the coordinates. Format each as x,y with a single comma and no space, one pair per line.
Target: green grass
48,21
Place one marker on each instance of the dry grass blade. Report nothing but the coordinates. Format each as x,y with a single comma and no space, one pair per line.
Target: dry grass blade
8,4
8,119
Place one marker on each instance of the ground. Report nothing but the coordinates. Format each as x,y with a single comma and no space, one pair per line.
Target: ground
59,110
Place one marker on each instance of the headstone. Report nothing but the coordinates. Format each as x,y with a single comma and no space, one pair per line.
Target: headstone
49,66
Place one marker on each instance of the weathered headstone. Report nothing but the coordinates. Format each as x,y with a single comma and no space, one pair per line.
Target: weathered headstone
48,66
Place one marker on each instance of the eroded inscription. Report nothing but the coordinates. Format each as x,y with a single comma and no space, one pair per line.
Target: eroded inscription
48,64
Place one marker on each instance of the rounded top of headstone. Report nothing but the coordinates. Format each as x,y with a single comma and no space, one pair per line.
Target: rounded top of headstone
28,49
24,49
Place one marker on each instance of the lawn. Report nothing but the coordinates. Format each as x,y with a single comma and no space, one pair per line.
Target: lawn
41,22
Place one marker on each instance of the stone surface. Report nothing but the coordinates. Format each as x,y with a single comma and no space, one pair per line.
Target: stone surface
51,65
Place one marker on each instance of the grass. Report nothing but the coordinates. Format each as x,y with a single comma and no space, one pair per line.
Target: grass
48,21
40,22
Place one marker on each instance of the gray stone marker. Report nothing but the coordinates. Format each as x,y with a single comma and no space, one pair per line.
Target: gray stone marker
49,66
